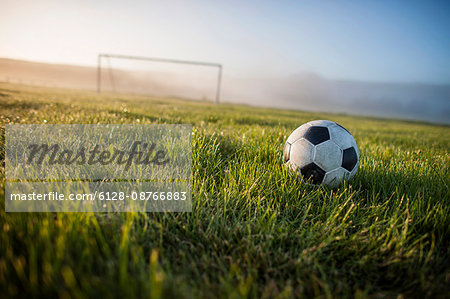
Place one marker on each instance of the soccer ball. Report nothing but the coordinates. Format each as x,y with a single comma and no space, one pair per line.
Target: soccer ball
322,152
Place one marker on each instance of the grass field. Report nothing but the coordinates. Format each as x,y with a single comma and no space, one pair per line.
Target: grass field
255,230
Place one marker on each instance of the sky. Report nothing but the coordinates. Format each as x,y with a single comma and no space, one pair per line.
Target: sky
376,41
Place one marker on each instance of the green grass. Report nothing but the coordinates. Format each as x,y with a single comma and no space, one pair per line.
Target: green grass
255,229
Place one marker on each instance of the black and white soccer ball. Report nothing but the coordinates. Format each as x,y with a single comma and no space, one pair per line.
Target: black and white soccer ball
322,152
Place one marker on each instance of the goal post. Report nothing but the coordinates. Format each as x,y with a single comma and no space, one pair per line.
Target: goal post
154,59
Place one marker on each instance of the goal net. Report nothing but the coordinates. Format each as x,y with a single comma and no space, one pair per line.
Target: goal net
159,77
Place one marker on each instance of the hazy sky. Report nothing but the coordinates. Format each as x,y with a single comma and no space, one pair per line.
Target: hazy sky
406,41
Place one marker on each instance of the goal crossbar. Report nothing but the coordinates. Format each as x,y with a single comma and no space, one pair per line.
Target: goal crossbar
155,59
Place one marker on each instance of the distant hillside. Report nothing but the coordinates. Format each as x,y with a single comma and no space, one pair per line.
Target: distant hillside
306,91
158,83
401,100
45,74
309,91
